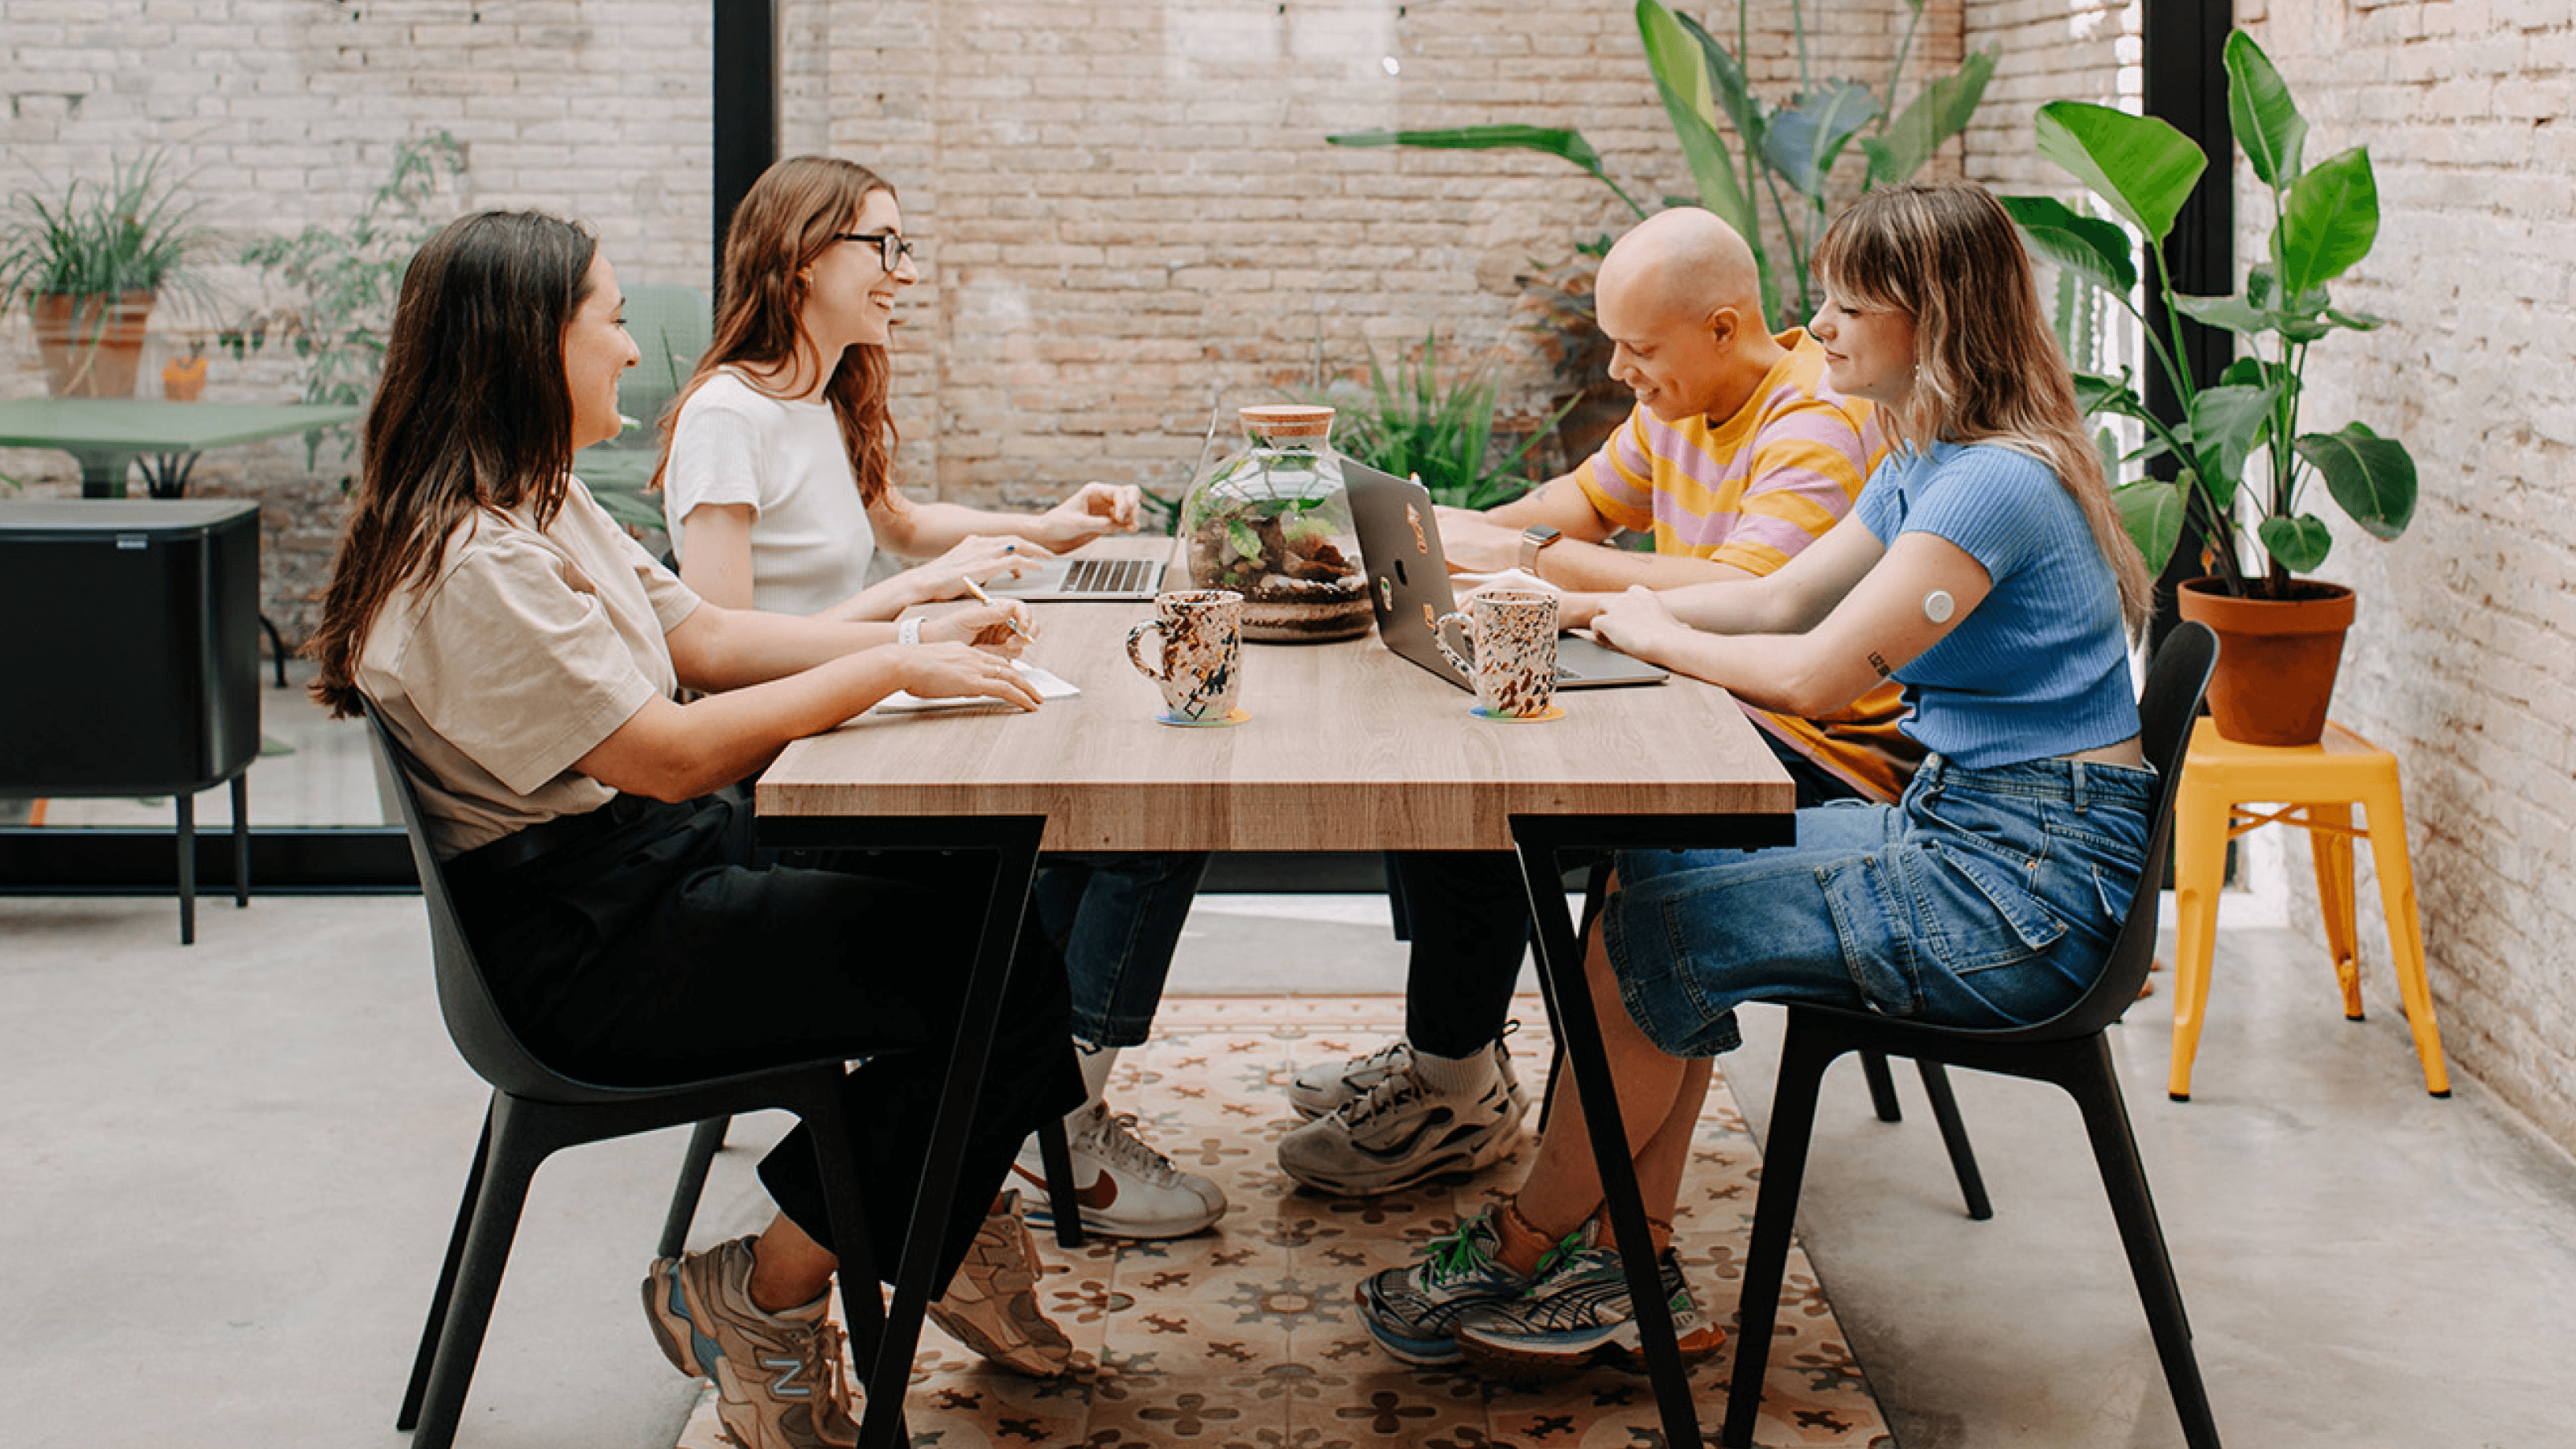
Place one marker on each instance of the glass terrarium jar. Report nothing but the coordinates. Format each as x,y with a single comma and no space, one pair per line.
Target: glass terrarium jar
1273,523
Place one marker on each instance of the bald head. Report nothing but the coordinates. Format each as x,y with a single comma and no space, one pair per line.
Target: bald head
1682,299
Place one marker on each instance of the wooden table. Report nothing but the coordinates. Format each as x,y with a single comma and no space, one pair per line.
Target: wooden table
1348,747
108,434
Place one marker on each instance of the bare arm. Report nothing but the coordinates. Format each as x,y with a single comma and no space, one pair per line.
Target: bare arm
919,530
1583,560
1816,635
673,751
715,560
717,648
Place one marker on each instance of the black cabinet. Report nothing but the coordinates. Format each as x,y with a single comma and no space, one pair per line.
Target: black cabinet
129,657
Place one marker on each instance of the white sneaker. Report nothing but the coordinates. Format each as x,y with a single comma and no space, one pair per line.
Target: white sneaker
1403,1133
1333,1086
1125,1188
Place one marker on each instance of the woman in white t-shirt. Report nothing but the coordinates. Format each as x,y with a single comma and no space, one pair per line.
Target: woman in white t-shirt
525,653
777,484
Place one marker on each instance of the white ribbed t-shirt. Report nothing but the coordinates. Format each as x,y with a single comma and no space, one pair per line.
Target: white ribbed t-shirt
810,537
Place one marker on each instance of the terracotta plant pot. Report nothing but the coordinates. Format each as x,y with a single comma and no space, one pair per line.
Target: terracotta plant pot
2276,658
92,346
183,379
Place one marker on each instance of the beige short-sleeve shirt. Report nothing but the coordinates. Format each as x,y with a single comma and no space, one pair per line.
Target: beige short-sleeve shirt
525,651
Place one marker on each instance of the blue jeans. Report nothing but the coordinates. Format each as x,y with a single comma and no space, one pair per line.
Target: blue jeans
1116,918
1983,898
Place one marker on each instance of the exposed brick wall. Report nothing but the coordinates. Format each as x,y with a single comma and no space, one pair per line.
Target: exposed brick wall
2458,659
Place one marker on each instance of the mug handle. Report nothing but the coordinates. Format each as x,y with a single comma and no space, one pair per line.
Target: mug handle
1466,636
1162,653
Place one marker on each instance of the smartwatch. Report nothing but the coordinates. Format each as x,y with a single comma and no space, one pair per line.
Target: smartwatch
1534,538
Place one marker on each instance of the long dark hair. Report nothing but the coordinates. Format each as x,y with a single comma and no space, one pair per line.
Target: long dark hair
473,416
789,217
1986,367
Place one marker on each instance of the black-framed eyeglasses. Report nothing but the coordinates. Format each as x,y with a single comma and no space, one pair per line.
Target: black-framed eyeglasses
892,247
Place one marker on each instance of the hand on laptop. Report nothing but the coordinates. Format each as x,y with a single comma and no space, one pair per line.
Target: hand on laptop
980,559
1093,510
1473,543
1636,622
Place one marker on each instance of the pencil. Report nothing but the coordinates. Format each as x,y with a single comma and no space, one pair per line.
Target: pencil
977,590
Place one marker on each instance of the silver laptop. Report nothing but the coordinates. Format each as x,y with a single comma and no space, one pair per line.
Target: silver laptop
1409,586
1106,579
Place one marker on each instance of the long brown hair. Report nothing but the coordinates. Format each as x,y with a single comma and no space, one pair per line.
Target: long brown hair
473,416
791,214
1986,367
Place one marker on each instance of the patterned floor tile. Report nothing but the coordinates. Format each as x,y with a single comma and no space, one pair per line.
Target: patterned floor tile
1247,1337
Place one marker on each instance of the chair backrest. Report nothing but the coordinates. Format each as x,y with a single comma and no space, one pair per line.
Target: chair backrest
2176,679
473,1016
671,327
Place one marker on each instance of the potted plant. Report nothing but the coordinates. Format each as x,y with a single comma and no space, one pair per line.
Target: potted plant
183,379
91,261
2281,634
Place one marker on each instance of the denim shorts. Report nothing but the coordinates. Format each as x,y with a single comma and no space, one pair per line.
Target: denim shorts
1983,898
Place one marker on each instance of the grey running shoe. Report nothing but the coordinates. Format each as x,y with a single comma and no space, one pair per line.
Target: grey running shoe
777,1375
991,1306
1402,1133
1126,1189
1330,1087
1411,1311
1578,1313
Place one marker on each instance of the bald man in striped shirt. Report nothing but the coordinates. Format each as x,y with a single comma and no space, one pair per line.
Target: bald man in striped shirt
1736,457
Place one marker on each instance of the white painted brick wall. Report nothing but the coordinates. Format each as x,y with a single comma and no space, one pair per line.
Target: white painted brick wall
2458,659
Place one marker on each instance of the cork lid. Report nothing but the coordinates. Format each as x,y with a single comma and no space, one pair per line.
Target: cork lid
1287,420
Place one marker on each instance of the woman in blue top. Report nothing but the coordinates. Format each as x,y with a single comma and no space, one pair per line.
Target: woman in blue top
1985,568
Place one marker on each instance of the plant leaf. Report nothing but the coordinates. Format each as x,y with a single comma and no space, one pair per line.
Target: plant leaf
2141,166
2300,543
1555,141
1682,79
2226,424
2355,321
1725,73
2094,249
2152,511
2107,395
2329,222
2371,476
2266,121
1938,112
1805,136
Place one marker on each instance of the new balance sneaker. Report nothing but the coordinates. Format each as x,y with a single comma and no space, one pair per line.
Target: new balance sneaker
1126,1189
1401,1132
777,1375
991,1306
1334,1085
1412,1312
1576,1313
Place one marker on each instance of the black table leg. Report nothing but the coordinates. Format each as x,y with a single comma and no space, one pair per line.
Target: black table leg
241,839
187,867
1014,842
1578,1036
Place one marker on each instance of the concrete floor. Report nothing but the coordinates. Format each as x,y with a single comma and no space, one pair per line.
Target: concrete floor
228,1172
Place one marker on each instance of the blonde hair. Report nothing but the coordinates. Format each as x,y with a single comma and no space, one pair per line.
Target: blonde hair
791,215
1986,367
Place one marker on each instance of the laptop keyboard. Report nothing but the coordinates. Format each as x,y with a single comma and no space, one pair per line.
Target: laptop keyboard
1108,575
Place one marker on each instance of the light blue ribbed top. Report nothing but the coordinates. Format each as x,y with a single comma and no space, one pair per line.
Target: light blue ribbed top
2041,666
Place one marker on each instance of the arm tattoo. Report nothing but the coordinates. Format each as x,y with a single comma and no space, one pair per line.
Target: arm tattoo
1879,664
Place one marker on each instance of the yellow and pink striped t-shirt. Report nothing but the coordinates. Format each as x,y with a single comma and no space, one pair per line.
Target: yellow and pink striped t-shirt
1751,491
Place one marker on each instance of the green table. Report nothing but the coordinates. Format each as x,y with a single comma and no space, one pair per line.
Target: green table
107,435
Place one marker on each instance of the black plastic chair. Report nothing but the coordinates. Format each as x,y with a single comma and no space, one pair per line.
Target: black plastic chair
537,1111
2070,1050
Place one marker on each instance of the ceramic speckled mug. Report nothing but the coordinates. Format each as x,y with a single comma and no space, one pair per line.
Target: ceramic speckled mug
1200,662
1511,651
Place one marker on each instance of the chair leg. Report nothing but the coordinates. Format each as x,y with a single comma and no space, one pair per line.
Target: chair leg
1882,1085
2330,851
422,1361
1804,1055
511,1161
2200,864
187,869
704,1140
241,840
2096,1090
861,1275
1954,1136
2405,930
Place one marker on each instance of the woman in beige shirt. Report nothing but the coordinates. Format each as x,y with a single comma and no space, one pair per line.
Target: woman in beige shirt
526,652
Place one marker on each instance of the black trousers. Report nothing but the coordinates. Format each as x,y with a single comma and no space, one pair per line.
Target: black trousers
647,943
1466,914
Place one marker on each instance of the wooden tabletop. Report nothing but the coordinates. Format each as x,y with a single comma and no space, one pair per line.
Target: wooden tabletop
1348,747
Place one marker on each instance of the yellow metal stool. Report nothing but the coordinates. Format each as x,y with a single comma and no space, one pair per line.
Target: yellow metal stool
2322,782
